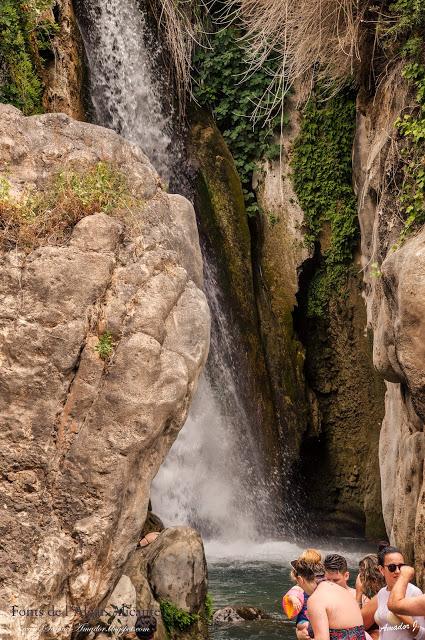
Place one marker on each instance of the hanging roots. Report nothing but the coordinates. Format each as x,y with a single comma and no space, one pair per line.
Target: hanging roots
179,22
317,38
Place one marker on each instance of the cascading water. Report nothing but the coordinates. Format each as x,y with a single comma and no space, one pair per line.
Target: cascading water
123,90
213,477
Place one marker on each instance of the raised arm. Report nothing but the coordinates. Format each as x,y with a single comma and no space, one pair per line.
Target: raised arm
398,603
368,612
359,591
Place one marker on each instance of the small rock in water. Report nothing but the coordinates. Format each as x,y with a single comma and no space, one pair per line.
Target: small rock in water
239,613
251,613
227,614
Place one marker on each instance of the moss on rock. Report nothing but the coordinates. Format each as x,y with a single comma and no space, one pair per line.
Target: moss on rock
226,236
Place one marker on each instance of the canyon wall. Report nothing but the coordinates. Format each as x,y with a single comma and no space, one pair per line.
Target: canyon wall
394,279
321,367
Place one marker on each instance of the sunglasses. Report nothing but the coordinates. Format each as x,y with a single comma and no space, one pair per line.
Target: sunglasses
392,567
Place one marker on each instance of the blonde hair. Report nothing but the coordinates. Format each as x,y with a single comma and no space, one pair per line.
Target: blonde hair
370,577
308,565
311,556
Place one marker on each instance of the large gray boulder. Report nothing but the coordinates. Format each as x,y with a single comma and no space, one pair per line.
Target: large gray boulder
399,353
177,569
82,437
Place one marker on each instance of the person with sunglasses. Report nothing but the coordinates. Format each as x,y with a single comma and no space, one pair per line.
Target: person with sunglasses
391,627
399,603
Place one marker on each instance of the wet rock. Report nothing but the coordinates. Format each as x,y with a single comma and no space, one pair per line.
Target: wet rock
251,613
227,614
239,613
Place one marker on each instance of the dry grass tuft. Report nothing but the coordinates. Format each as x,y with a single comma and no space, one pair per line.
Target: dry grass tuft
180,26
313,39
49,216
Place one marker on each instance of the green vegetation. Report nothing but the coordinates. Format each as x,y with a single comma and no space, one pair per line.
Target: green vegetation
49,215
227,88
105,346
273,218
410,25
375,271
209,607
25,44
322,180
176,619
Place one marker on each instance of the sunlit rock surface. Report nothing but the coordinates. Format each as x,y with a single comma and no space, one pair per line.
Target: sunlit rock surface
82,437
394,274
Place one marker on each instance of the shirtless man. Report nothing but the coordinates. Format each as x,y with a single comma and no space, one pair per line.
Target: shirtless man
332,611
336,570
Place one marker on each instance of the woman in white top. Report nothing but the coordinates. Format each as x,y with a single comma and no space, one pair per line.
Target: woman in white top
392,627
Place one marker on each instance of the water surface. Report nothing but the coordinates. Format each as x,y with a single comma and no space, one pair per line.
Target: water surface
249,573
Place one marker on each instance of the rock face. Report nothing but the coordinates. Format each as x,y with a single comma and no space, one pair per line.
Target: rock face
340,452
63,75
82,437
321,369
281,251
394,276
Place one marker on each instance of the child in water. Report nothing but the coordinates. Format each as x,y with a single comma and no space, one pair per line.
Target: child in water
294,602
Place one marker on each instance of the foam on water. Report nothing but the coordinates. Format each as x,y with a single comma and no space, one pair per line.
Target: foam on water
279,552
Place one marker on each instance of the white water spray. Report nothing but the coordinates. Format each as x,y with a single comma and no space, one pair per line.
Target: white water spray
213,476
124,91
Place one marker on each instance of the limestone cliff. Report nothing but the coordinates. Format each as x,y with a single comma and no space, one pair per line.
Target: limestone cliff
394,277
104,332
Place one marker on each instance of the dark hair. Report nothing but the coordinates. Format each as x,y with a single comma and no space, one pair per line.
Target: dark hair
382,544
308,570
384,552
145,627
335,562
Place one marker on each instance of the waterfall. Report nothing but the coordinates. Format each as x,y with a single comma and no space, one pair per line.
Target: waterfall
213,477
123,89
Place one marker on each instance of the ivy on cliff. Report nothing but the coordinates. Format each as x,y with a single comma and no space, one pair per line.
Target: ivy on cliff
225,86
408,29
322,176
25,40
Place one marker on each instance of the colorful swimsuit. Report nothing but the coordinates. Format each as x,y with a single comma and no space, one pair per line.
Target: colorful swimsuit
355,633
